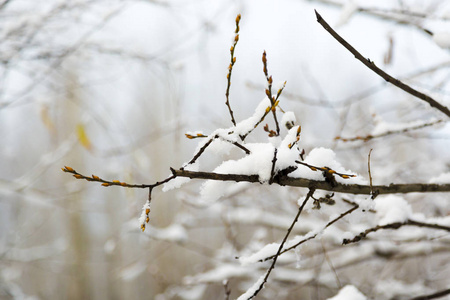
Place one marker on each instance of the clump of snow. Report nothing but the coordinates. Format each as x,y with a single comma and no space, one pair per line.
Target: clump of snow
267,251
323,157
442,39
248,124
392,209
349,292
347,12
441,179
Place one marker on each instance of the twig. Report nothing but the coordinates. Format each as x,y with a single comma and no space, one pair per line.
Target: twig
371,65
230,68
433,296
107,183
394,225
310,193
389,132
356,189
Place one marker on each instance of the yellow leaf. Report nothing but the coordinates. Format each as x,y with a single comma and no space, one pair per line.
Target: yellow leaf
82,137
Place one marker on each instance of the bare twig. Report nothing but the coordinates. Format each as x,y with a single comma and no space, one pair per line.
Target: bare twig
230,69
395,225
272,171
310,193
371,65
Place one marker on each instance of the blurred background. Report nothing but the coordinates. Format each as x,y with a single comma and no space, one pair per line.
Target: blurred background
110,87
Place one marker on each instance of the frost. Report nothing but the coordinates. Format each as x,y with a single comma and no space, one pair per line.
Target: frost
392,209
143,217
442,39
349,292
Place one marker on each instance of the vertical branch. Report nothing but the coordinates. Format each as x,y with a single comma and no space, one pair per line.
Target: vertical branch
230,68
273,102
310,193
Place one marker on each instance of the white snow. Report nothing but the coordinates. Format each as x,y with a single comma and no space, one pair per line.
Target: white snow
248,124
349,292
442,39
391,209
179,181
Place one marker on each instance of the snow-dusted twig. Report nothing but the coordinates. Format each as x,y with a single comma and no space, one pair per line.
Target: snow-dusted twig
371,65
310,237
395,225
433,296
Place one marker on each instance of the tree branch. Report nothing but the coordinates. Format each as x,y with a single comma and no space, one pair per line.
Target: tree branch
371,65
321,185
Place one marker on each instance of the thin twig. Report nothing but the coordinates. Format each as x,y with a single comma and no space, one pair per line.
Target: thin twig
389,132
310,193
371,65
230,69
395,225
370,175
349,211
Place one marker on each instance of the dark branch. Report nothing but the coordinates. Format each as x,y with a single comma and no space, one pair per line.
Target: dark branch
371,65
321,185
395,225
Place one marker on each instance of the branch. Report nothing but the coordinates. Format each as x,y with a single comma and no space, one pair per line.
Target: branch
310,193
371,65
395,225
432,296
356,189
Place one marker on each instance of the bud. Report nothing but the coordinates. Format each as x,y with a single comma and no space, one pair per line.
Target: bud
95,177
68,169
105,184
236,38
238,18
78,176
